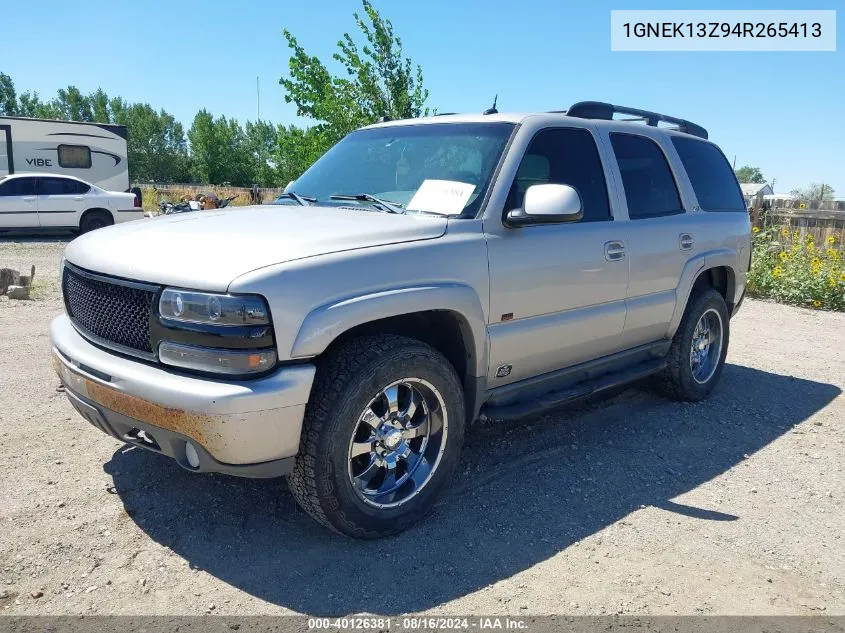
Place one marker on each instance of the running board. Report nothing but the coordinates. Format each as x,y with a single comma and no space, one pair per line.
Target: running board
554,399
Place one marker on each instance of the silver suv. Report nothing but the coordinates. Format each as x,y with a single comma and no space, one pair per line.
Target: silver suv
421,274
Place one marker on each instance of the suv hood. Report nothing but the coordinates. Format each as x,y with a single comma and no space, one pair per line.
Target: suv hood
207,250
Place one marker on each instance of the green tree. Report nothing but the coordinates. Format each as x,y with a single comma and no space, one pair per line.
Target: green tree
750,174
297,149
261,143
378,81
814,191
8,96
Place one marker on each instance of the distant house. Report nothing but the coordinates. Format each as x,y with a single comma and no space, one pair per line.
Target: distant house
754,193
753,189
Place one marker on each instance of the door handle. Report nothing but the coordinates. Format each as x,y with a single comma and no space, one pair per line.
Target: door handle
686,241
614,251
28,198
78,198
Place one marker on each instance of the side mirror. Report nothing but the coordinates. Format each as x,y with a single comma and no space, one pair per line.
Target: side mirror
547,204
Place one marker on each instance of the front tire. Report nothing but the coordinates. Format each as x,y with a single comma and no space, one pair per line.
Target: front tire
697,355
381,437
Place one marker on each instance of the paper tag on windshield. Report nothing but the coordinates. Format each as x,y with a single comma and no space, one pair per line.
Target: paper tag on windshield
448,197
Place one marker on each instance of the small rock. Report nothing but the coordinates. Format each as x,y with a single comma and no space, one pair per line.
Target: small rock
91,588
754,490
4,594
36,594
234,627
20,293
108,582
212,607
768,580
8,277
143,582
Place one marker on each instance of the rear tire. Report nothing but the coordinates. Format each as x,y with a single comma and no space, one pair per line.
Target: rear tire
697,355
382,436
93,220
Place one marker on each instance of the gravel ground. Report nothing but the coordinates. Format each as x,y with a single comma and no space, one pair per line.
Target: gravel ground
628,504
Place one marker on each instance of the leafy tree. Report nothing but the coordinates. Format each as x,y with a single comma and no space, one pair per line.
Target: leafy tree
750,174
8,97
297,149
261,143
379,81
814,191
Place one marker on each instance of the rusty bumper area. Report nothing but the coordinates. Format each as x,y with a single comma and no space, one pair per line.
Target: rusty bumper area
160,429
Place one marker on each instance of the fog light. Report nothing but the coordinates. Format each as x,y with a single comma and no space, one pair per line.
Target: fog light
192,455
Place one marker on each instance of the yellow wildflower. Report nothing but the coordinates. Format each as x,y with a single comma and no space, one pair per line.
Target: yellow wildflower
842,276
777,272
785,231
831,281
811,247
817,303
831,240
832,253
796,234
784,256
755,230
817,261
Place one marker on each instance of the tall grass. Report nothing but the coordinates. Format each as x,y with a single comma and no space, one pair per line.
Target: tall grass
791,268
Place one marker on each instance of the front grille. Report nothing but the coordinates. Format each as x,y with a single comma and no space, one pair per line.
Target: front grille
108,310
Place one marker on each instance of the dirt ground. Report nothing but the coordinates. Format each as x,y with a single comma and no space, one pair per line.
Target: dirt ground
628,504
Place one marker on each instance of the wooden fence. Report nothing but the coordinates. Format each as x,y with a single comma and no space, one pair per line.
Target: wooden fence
821,219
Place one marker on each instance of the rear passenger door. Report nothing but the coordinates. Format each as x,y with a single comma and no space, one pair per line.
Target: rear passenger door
557,291
61,201
660,235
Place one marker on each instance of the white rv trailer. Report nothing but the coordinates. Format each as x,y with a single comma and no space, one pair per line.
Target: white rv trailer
94,152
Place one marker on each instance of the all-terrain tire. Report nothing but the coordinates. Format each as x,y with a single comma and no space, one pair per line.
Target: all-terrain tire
677,380
346,381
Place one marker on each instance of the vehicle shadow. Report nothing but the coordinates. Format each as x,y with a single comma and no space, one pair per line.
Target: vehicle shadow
524,493
34,237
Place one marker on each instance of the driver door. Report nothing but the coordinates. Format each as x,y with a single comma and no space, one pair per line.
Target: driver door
557,291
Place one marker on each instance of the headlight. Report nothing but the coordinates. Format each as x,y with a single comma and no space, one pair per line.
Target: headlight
214,333
213,309
231,362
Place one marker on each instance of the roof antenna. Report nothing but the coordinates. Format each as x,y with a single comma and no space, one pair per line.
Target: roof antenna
493,110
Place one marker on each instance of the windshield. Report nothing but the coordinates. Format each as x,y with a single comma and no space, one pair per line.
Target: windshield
442,168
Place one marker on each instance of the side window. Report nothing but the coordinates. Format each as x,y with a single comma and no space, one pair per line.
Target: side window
61,187
564,156
650,188
712,178
75,156
18,187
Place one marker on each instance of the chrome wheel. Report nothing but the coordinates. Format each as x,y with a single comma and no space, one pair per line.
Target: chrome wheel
398,442
706,349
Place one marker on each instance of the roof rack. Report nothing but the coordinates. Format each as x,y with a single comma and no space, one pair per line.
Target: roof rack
605,111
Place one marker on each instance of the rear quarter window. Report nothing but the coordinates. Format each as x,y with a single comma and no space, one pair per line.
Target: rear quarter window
710,174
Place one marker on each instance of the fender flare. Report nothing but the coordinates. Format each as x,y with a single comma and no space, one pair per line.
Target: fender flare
324,324
691,272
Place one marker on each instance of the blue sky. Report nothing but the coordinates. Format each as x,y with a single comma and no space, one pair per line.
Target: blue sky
782,112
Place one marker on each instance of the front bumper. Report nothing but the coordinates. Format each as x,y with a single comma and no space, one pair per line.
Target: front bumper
249,428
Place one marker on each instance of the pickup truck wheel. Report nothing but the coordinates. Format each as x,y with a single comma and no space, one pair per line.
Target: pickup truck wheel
381,437
698,350
92,220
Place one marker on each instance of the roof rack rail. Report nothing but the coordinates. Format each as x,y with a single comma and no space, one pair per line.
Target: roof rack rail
605,111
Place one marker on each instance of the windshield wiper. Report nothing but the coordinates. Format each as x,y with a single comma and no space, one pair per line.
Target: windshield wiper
303,200
387,205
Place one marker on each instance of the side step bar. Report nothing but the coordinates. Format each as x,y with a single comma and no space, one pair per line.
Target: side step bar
554,399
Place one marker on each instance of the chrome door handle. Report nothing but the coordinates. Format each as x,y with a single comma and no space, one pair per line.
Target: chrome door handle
78,198
28,198
686,241
614,251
